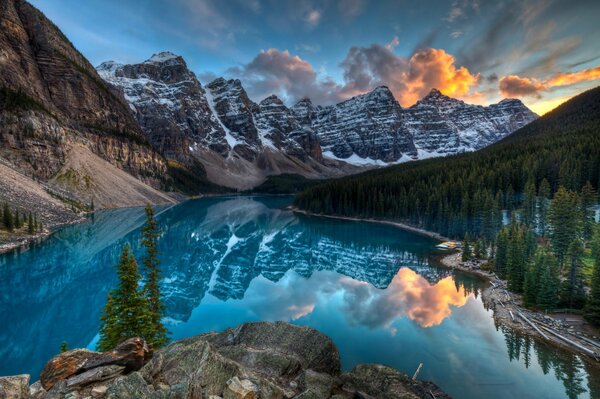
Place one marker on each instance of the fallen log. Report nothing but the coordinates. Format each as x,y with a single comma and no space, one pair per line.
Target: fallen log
512,316
575,344
532,325
417,372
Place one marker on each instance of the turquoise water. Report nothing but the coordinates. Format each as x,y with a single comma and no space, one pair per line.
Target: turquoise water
372,288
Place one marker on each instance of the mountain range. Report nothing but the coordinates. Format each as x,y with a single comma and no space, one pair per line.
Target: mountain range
240,142
125,135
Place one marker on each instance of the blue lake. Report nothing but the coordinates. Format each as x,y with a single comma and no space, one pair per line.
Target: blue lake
374,289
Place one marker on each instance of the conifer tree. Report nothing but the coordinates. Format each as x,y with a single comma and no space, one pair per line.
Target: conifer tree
572,293
547,297
501,258
157,335
544,193
529,202
8,218
126,313
564,222
64,347
589,198
466,249
30,227
592,305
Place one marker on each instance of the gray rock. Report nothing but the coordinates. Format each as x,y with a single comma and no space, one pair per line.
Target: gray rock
15,387
98,374
131,387
240,389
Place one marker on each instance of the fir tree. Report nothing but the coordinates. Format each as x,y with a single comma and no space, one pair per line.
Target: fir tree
126,313
529,202
547,297
466,249
543,199
157,335
8,218
589,198
64,347
30,226
592,305
572,293
501,258
564,222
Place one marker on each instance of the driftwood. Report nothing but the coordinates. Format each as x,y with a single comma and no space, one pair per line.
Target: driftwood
579,346
591,341
532,325
512,316
417,372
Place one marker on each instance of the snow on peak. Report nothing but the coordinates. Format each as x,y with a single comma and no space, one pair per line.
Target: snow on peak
161,57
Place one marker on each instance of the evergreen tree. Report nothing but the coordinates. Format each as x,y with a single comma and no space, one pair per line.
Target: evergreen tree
589,198
126,313
157,335
572,293
529,203
592,305
547,297
543,200
30,227
501,258
466,249
64,347
8,218
564,222
479,249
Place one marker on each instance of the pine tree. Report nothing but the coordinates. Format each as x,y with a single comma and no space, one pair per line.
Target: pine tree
64,347
529,202
126,313
30,227
543,199
592,305
572,293
8,218
501,258
589,198
564,222
157,335
549,283
466,249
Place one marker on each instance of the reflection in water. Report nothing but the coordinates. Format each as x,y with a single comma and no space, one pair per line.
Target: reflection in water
230,260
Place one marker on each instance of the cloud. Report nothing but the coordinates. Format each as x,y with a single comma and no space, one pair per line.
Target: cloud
393,44
313,17
408,295
516,86
290,77
570,78
409,79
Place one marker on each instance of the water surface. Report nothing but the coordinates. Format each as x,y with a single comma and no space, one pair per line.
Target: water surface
374,289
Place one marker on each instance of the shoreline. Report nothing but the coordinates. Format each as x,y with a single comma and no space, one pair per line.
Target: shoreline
399,225
557,329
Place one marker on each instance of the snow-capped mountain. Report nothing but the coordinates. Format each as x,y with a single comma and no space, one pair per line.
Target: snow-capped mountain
241,142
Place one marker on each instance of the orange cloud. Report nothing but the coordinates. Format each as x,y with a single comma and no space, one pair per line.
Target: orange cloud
408,295
516,86
434,68
570,78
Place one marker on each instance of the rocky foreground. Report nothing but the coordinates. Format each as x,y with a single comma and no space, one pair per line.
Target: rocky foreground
254,360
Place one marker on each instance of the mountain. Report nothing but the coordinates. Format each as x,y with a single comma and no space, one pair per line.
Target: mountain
462,193
237,141
57,114
240,142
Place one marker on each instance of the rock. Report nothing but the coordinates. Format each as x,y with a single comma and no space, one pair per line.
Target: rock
36,390
131,355
98,374
131,387
98,391
240,389
15,387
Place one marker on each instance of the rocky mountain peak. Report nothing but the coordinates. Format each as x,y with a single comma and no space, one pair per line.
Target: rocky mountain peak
272,100
165,57
437,99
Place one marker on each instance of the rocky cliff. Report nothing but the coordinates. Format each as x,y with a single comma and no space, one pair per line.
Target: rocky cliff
237,141
241,142
254,360
52,99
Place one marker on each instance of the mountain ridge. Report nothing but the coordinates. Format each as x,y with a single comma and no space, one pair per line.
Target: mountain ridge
252,140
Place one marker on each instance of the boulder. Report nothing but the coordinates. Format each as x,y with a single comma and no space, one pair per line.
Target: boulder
131,355
240,389
99,374
14,387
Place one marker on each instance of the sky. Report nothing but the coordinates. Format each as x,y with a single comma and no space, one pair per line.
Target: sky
540,51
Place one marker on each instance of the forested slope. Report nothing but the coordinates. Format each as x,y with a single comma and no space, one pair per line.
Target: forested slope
463,194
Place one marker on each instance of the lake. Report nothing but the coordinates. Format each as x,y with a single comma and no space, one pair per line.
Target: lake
374,289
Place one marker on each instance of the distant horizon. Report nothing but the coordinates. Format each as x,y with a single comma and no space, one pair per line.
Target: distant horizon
542,52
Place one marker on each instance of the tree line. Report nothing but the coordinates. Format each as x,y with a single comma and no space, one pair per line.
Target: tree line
13,220
545,175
